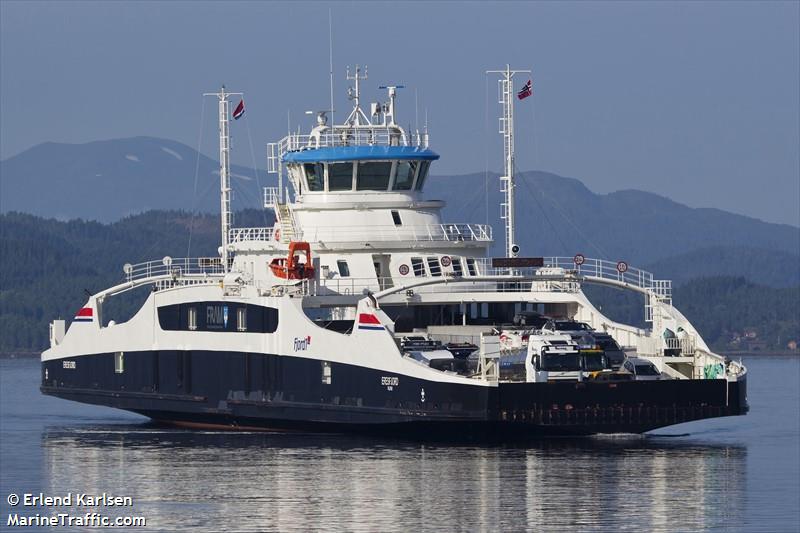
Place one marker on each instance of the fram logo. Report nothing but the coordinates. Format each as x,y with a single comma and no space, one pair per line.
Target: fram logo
302,344
85,315
217,316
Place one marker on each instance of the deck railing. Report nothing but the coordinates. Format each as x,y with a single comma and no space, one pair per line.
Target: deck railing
558,274
352,136
175,267
431,232
457,284
250,234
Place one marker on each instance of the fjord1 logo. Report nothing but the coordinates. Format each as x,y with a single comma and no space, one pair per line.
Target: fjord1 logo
302,344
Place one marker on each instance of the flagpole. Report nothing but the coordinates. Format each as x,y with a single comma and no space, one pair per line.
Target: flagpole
507,130
224,172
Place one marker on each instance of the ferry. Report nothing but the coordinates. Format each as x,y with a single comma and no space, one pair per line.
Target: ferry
361,310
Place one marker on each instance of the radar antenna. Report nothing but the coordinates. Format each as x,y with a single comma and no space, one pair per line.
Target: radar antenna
390,109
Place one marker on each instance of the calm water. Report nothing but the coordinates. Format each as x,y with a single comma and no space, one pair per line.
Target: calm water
739,474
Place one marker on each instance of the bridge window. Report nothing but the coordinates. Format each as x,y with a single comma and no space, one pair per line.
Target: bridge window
473,271
340,177
315,176
405,175
433,265
373,176
344,270
423,173
182,317
457,270
418,266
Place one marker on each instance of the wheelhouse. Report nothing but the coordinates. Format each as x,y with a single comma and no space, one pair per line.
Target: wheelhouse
402,169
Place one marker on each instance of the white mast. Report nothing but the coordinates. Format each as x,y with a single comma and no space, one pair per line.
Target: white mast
507,130
224,171
354,93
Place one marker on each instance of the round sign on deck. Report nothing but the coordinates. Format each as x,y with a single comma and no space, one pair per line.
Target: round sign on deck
446,261
579,259
403,270
622,266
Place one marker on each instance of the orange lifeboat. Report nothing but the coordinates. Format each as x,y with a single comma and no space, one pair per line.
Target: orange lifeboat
291,267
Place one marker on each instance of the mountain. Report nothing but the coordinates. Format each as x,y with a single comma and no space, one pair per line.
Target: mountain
109,180
766,267
561,216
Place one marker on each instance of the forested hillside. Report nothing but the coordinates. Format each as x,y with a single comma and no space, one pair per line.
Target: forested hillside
47,266
730,312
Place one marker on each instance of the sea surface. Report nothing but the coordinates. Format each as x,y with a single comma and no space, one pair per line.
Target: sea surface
732,474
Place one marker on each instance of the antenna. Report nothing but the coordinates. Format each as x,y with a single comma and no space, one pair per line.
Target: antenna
224,171
390,113
354,93
507,131
416,108
330,52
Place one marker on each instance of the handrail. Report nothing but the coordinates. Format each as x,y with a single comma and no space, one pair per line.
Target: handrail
429,232
351,136
554,276
250,234
600,269
175,267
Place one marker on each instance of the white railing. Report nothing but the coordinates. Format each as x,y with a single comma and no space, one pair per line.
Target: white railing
559,274
250,234
613,271
431,232
685,346
270,197
350,136
456,284
175,267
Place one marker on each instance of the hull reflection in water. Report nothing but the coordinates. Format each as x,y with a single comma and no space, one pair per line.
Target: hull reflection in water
191,480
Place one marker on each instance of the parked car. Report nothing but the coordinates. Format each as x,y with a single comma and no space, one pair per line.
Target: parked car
642,369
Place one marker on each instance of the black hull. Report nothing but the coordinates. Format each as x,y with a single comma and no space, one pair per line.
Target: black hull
268,392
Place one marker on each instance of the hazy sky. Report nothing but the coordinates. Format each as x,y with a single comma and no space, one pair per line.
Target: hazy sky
695,101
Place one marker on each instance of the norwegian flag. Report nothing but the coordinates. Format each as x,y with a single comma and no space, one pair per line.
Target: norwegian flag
369,321
86,314
526,91
239,111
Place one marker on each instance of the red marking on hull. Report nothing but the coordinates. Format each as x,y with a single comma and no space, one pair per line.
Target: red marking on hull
364,318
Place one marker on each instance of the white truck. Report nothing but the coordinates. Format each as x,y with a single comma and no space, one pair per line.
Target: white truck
548,358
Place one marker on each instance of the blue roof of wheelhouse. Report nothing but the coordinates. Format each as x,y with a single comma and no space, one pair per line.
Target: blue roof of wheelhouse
360,153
